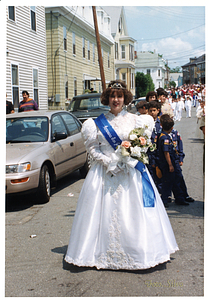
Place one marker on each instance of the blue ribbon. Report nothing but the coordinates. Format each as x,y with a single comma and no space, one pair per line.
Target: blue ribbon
114,140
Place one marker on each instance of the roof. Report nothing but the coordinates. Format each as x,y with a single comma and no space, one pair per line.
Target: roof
115,12
195,61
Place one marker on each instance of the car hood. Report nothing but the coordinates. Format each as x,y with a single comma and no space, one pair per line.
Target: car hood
15,153
90,113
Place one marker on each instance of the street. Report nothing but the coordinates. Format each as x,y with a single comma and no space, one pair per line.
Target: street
37,237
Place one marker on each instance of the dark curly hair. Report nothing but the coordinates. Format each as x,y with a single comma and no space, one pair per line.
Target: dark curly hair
121,89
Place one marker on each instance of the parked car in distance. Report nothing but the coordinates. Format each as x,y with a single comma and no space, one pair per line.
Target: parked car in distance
132,106
42,146
87,106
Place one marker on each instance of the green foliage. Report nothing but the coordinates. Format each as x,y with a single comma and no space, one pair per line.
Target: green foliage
175,70
144,84
172,83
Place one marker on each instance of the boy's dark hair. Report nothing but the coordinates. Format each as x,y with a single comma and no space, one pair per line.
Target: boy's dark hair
153,104
152,93
25,92
142,104
166,122
160,91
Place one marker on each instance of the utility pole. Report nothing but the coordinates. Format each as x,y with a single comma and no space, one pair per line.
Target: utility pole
99,48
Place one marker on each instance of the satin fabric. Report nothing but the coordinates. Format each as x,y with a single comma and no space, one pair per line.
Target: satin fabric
111,228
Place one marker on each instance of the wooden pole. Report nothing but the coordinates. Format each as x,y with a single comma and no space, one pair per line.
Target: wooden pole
99,48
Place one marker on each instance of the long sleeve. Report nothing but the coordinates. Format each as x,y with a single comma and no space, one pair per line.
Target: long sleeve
91,142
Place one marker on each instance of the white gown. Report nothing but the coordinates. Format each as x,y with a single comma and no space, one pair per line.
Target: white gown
111,228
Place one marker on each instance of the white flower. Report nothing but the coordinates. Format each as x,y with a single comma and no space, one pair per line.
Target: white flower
147,132
133,137
136,151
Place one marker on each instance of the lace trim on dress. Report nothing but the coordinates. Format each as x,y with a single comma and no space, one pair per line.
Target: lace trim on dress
115,256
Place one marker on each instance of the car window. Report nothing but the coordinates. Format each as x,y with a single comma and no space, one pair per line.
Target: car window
86,104
58,125
71,123
26,129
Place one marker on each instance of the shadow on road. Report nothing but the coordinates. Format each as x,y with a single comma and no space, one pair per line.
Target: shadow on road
193,210
25,201
196,140
75,269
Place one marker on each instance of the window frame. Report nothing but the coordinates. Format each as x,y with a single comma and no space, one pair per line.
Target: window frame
123,51
83,47
73,42
13,13
75,89
89,55
33,13
36,88
15,86
65,38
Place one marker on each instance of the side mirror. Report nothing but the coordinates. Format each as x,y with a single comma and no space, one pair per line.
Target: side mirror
59,136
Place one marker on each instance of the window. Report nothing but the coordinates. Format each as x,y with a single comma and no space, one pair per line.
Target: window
71,124
58,125
65,38
148,71
75,86
11,12
131,52
123,51
108,60
66,90
83,47
35,85
116,50
33,17
88,50
15,85
74,43
93,53
119,26
158,72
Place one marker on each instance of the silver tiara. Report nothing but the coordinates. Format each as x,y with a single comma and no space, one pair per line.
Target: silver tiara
116,85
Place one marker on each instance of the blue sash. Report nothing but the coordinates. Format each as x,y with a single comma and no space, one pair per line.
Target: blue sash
114,140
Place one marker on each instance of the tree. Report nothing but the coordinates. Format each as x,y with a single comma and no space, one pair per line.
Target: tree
175,70
172,84
144,84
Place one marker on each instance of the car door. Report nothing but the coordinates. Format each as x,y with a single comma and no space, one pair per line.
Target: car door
63,149
74,131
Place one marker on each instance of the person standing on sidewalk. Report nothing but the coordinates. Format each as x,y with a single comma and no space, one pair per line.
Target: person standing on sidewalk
27,104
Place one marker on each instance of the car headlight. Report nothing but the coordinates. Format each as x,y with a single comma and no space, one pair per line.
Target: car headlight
19,168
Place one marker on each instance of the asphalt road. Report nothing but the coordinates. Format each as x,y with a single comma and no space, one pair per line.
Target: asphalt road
37,237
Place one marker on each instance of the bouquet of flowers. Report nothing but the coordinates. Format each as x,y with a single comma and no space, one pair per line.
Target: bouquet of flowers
138,144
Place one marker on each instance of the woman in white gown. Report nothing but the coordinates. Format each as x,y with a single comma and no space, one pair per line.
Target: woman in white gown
112,229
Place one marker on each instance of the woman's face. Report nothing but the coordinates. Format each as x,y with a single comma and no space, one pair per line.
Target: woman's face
116,102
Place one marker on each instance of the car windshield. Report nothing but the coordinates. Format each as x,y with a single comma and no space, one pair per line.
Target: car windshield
27,129
87,104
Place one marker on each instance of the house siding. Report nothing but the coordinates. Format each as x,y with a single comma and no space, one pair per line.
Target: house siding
27,49
74,66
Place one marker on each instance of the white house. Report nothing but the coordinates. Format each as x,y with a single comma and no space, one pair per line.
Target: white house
154,64
123,47
26,61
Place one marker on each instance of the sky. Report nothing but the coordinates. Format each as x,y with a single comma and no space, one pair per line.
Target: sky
176,32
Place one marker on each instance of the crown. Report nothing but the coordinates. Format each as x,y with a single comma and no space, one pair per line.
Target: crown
116,85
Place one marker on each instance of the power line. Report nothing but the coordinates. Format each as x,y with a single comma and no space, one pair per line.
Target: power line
171,35
189,16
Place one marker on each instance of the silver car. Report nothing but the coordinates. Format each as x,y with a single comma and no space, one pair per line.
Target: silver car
42,146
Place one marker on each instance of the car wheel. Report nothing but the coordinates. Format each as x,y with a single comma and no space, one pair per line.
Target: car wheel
44,189
84,170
